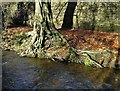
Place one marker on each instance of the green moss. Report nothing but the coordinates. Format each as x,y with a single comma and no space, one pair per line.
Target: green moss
18,42
20,39
88,62
72,56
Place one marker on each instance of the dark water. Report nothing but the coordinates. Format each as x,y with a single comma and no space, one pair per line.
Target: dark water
33,73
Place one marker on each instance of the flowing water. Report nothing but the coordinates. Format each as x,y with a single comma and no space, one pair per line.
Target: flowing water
34,73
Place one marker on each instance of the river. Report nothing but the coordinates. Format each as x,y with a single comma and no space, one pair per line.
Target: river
34,73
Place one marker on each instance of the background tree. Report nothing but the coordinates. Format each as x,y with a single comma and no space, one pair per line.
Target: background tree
68,16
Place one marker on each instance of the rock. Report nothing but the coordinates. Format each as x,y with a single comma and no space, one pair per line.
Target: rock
104,58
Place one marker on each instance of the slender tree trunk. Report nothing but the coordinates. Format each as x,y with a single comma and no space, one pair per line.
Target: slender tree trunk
68,17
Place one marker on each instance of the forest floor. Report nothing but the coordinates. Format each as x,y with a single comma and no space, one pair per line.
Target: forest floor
92,40
80,39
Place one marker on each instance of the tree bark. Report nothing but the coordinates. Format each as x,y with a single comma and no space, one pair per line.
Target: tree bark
44,35
68,17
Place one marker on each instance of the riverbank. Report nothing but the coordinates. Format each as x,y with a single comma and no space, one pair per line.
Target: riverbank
99,46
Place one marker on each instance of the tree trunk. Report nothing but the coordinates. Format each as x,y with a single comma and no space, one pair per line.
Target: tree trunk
44,35
68,17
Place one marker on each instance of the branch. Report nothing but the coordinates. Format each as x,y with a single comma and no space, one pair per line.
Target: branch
94,61
86,53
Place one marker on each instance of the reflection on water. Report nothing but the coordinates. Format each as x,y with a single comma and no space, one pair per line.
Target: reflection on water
35,73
